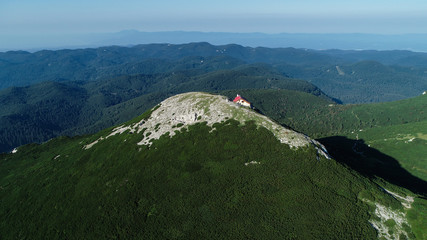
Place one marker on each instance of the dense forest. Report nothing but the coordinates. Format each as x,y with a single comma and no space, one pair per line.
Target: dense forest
351,76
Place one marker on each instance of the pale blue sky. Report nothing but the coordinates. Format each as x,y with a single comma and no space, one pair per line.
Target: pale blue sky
269,16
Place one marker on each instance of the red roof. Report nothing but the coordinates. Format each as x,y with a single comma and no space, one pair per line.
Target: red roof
237,98
240,98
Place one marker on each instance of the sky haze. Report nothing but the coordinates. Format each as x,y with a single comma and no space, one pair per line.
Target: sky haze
38,18
269,16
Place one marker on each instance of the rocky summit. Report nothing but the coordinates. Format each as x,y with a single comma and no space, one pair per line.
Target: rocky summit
185,109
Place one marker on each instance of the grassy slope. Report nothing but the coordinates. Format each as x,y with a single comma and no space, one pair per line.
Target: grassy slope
389,120
199,188
406,142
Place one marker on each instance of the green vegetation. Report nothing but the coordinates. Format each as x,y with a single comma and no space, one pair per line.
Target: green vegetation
225,181
417,216
191,186
405,142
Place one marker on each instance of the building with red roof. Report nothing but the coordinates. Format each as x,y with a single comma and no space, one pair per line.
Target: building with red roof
240,100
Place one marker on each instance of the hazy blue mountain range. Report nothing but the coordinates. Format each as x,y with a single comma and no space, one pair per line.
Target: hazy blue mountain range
413,42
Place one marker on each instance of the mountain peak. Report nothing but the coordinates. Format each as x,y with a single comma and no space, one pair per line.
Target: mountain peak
186,109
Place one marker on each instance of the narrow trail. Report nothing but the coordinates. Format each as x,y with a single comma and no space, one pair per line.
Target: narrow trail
355,115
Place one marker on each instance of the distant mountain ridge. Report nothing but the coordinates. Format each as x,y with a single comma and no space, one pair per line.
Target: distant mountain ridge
348,41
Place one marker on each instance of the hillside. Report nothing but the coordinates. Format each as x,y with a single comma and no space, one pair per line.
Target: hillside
405,142
196,166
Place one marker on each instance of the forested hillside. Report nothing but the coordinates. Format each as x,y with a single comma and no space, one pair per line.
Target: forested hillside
362,82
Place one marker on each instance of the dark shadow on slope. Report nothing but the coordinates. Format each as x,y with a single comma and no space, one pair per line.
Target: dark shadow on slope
371,162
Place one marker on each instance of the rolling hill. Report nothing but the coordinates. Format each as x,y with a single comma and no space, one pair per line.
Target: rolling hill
197,166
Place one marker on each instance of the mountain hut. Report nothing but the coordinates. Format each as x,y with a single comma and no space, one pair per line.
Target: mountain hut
240,100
